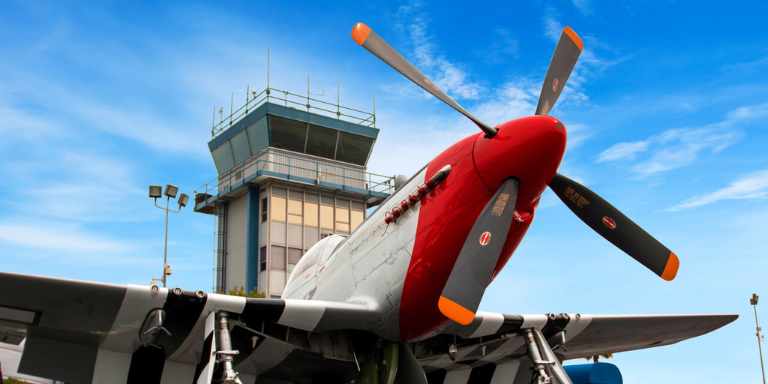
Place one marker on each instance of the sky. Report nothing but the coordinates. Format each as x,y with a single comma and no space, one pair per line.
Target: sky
665,114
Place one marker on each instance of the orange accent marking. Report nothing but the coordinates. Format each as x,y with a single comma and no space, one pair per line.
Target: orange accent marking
455,312
307,275
360,32
670,271
576,39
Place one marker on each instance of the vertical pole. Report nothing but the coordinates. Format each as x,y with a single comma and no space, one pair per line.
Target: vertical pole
338,110
213,121
267,75
307,92
374,109
247,92
759,347
165,254
231,105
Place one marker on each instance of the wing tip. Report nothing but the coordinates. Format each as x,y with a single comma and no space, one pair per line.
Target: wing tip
576,39
455,311
360,32
670,271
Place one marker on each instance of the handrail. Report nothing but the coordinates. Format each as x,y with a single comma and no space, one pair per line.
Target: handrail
266,94
386,185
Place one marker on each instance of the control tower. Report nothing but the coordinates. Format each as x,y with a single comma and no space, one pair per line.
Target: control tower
291,170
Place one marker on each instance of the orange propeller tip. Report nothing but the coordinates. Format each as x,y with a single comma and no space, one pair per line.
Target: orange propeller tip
455,311
360,32
670,271
576,39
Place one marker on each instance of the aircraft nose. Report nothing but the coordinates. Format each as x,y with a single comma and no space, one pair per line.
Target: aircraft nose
530,149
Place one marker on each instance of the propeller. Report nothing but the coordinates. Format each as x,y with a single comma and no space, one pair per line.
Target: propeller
477,259
615,227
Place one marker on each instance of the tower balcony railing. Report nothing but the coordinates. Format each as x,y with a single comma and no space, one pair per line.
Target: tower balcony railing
276,96
275,162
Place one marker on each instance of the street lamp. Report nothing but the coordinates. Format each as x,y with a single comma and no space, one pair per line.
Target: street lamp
753,301
156,191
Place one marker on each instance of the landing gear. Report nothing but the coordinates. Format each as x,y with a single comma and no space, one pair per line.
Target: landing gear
225,352
547,369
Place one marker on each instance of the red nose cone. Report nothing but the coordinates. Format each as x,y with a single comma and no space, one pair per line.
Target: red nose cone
530,149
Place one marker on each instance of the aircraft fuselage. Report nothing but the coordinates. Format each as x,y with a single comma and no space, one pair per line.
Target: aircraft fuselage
399,269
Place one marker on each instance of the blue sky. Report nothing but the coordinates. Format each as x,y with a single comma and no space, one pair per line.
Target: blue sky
665,115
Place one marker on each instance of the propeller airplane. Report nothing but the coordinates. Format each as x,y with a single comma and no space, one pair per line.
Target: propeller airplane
395,302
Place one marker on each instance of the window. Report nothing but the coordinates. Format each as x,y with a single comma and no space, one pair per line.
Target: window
310,214
263,259
322,141
288,134
263,209
342,220
223,158
356,219
294,255
278,258
294,212
353,148
278,209
326,217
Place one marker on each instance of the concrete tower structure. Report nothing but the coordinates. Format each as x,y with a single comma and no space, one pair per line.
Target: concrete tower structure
287,177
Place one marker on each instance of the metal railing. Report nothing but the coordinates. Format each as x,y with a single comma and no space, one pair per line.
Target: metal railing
286,98
306,167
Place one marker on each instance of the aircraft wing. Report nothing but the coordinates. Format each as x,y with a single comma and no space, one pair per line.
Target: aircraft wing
83,332
491,346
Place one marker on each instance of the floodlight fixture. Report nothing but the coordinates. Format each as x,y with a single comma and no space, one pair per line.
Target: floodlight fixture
155,191
183,200
171,190
753,300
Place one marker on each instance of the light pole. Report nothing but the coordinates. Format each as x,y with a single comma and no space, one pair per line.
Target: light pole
156,191
753,301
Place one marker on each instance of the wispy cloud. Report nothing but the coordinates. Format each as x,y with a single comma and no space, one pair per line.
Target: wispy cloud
751,186
452,78
583,6
679,147
93,188
504,46
68,238
673,148
552,27
749,112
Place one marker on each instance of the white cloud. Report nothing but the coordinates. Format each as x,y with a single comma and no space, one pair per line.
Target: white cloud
450,77
749,112
679,147
583,6
552,28
622,151
59,238
751,186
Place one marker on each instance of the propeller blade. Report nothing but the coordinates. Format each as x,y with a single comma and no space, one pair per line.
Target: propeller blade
372,42
615,227
473,269
563,60
409,371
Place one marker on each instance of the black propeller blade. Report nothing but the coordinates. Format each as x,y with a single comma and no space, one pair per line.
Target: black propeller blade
615,227
409,371
477,259
369,40
563,60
